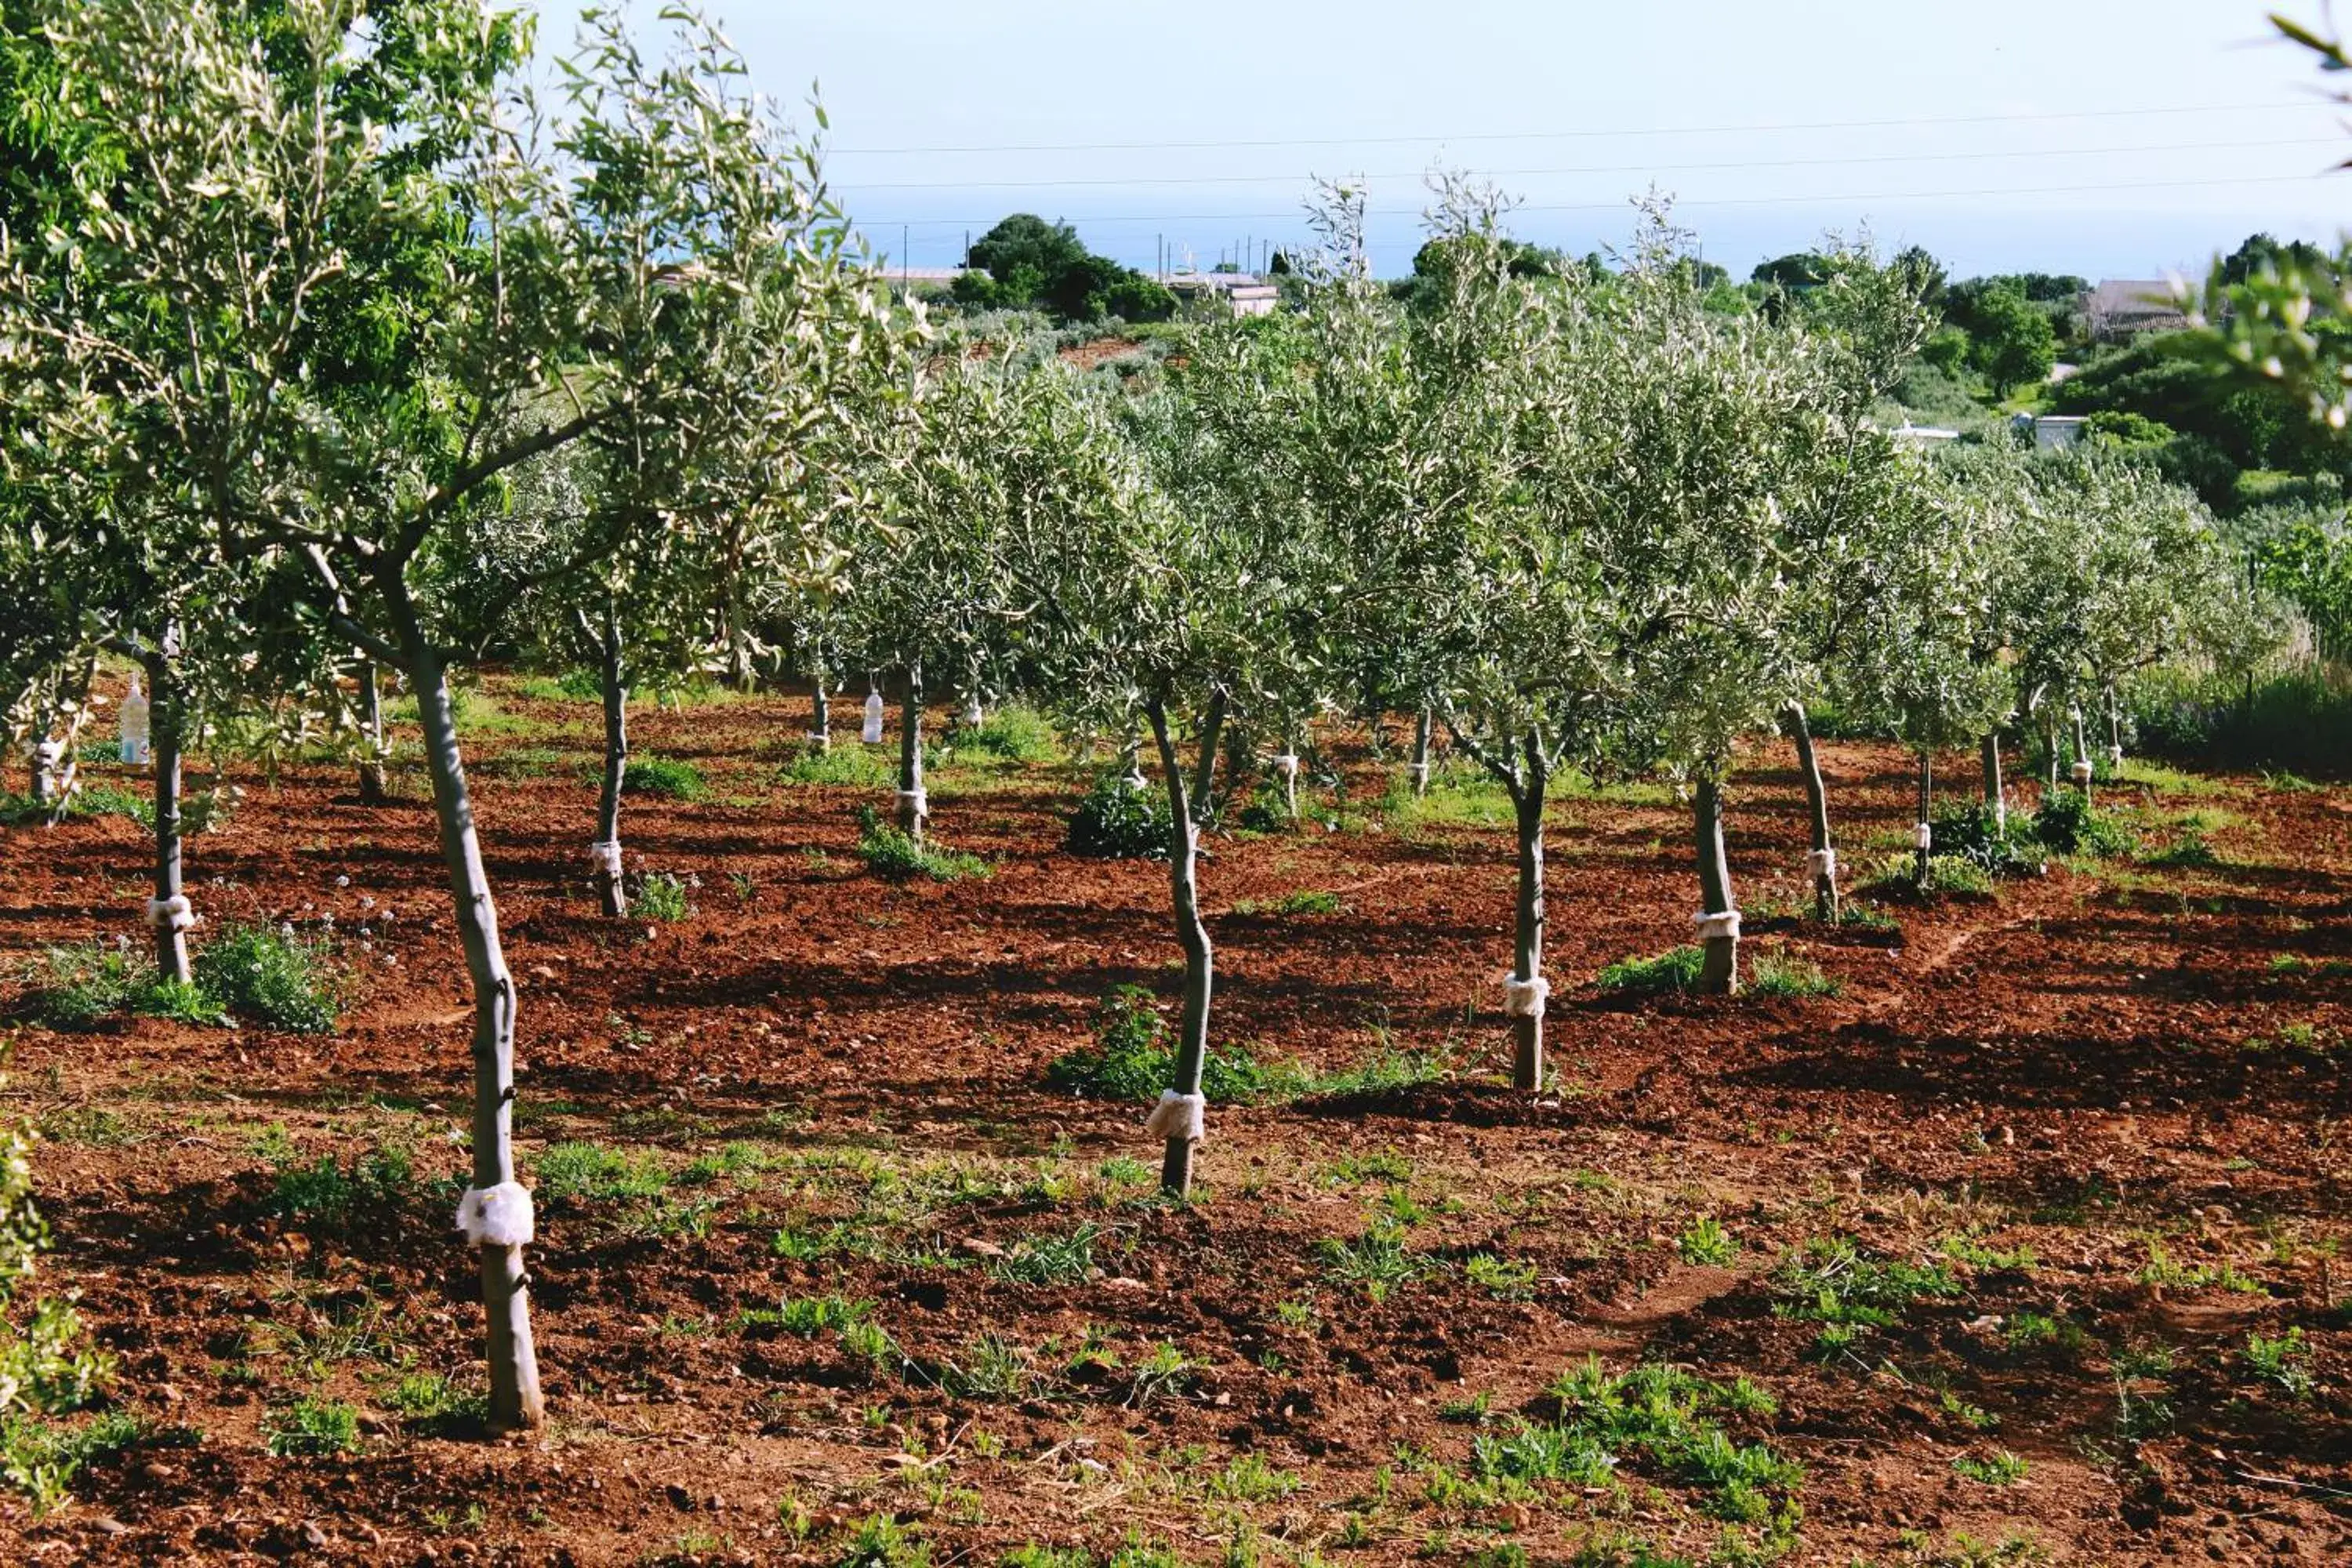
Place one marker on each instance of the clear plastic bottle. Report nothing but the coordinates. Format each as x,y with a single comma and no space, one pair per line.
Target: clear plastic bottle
134,726
872,733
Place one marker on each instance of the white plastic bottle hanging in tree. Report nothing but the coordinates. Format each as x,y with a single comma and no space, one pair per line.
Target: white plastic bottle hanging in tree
134,726
872,733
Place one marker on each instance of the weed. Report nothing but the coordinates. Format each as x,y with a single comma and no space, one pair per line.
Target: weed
427,1397
1999,1468
312,1426
1672,970
897,856
661,896
327,1194
881,1541
594,1173
1510,1280
1380,1165
1012,735
869,1342
1999,845
1968,1249
1164,1373
849,766
1831,1282
2188,851
807,1316
1377,1261
40,1459
1119,819
2070,825
1306,901
2160,1270
664,777
2284,1361
1706,1242
993,1367
271,976
1052,1259
1131,1060
1774,973
77,985
1247,1477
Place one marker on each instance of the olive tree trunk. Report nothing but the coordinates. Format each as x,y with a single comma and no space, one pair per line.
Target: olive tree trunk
515,1401
1204,767
914,807
820,712
612,888
372,758
1192,934
1719,970
1419,769
1923,848
1996,799
1821,857
167,914
1528,798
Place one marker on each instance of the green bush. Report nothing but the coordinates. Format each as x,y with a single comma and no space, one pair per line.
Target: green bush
1012,735
271,976
1131,1060
1972,832
1119,820
847,763
1676,970
661,776
895,854
2069,823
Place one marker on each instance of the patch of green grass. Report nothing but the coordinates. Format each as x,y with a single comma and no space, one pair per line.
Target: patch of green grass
1676,970
311,1427
2188,851
2168,780
1707,1243
1968,1249
1164,1373
1506,1278
271,976
1771,973
1833,1282
594,1173
881,1541
2161,1269
328,1194
846,764
1306,901
428,1397
1248,1478
807,1316
1017,735
1052,1259
1384,1072
2284,1361
2286,782
1376,1262
40,1457
79,985
107,800
895,854
664,777
993,1367
1999,1468
1131,1060
1458,796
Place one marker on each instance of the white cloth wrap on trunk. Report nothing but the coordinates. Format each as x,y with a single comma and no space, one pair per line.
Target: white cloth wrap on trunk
920,802
2083,771
1287,765
1923,837
1718,927
495,1216
1177,1115
1420,772
173,913
46,752
604,856
2115,756
1820,863
1524,998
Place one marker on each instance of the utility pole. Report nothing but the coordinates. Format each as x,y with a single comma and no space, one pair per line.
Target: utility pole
902,260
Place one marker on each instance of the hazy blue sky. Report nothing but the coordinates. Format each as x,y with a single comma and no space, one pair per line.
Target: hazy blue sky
2001,137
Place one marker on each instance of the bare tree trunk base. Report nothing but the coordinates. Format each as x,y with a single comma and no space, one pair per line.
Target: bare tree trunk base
1719,969
1176,1168
1826,906
1527,1054
506,1292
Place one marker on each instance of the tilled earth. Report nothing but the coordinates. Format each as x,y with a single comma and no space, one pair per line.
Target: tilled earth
2024,1241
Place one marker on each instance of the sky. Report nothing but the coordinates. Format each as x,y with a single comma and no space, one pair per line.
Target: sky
2107,138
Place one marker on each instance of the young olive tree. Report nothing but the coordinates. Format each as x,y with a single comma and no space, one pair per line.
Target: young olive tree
586,283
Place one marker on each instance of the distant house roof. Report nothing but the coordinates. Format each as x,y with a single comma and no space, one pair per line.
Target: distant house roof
2119,307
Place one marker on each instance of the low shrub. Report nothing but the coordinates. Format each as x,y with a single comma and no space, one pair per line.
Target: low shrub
1120,820
851,766
662,776
311,1427
2069,823
661,896
271,976
1131,1060
1012,735
1676,970
892,853
2000,846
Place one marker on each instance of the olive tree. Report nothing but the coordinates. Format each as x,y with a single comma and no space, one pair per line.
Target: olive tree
592,276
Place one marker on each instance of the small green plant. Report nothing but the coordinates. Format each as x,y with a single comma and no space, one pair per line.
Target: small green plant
1247,1479
81,984
1676,970
271,976
2070,825
1999,845
881,1541
2188,851
41,1458
661,896
1772,974
1131,1060
1999,1468
1510,1280
312,1426
664,777
1012,735
1707,1243
1119,819
594,1173
2284,1362
808,1316
327,1194
993,1367
895,854
427,1397
1053,1259
1163,1374
1306,901
849,766
1376,1262
1833,1282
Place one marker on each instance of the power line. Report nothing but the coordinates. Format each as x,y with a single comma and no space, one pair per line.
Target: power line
1822,199
1595,168
1571,135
